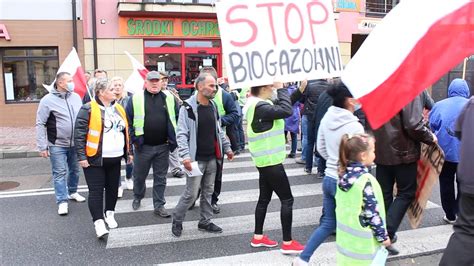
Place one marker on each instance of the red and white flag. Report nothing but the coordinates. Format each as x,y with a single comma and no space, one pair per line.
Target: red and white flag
73,66
413,46
136,80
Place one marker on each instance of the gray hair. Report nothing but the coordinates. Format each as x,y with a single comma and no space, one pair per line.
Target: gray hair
201,78
60,75
100,85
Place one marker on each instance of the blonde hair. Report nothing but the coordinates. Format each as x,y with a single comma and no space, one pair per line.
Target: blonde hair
350,149
118,79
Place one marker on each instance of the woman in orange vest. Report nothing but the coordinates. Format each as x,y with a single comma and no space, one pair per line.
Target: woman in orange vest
101,138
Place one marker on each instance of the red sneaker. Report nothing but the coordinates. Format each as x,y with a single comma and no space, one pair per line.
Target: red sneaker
264,242
293,248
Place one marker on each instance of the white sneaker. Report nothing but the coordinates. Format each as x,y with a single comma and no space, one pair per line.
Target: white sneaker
448,221
62,208
76,197
120,192
110,220
299,262
129,183
100,229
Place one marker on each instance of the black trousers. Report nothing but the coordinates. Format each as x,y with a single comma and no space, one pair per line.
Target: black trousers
274,179
449,201
99,178
405,177
460,245
218,181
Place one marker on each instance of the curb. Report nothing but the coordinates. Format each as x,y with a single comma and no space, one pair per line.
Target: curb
19,154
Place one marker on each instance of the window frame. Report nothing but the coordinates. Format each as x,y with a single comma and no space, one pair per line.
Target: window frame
25,58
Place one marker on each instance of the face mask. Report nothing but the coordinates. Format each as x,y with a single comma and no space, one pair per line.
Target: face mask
274,96
357,107
70,86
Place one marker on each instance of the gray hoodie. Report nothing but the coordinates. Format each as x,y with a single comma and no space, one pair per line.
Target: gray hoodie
335,123
55,119
187,130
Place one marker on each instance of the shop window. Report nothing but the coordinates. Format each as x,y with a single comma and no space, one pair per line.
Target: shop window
169,63
208,44
194,63
181,1
25,70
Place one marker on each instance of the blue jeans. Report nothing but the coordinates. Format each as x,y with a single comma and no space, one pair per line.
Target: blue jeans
327,224
304,132
64,165
310,143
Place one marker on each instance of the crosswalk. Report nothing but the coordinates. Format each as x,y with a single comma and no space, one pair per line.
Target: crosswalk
237,201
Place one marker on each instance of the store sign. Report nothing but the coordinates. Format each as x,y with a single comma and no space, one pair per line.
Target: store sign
267,40
154,27
347,5
4,32
366,25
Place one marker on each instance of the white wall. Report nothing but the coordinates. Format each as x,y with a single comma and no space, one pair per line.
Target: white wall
38,9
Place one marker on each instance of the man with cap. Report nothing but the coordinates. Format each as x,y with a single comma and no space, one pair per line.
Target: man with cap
152,114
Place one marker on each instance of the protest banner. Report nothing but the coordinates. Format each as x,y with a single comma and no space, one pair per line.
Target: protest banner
429,167
280,40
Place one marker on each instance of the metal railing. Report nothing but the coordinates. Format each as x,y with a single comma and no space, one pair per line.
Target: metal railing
379,8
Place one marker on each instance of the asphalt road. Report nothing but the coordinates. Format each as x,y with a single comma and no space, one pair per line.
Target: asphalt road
33,233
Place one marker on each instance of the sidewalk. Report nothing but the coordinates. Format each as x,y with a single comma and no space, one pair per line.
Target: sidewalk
18,142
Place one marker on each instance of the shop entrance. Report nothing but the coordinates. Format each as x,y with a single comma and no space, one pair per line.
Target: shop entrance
182,59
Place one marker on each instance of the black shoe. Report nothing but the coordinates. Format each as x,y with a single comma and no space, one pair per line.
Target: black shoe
176,229
136,204
178,174
291,155
161,211
307,171
392,251
394,239
215,208
237,152
211,228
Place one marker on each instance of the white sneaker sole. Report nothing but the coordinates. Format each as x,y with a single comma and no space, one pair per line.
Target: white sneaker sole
262,245
290,252
103,235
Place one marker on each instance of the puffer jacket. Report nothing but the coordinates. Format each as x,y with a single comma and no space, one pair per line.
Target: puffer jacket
398,141
80,135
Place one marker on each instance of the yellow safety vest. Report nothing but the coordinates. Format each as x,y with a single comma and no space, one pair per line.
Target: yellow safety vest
356,245
266,148
139,111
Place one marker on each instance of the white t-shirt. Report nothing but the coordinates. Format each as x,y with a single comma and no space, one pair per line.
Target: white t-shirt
113,139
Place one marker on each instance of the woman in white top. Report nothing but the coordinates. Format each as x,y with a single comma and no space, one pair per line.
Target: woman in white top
102,141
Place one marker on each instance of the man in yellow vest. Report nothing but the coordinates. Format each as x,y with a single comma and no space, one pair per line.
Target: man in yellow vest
152,116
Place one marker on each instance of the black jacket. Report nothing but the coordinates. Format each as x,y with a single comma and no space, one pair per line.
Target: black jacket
398,141
138,141
311,95
80,136
266,113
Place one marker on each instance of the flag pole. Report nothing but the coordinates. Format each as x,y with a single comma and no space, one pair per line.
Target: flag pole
464,69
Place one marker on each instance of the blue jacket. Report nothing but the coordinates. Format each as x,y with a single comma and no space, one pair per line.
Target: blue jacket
443,117
231,113
292,123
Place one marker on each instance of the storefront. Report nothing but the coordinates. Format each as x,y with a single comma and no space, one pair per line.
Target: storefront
30,55
179,47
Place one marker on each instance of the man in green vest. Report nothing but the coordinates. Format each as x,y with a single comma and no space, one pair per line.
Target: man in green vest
152,116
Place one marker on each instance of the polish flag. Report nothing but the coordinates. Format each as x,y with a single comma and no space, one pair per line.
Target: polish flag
413,46
73,66
136,80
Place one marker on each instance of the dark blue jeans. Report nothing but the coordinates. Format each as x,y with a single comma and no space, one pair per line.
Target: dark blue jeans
449,200
327,223
294,141
310,144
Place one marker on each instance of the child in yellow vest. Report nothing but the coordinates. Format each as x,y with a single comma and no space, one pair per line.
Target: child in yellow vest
360,212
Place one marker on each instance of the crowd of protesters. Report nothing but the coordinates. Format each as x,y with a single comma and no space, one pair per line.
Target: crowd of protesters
155,128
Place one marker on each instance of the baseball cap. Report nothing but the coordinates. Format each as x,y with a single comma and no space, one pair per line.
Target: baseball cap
153,75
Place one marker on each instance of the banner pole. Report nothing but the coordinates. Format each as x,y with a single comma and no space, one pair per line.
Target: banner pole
464,69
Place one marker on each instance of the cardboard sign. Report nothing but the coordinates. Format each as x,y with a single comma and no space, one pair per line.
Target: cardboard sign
283,40
429,167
